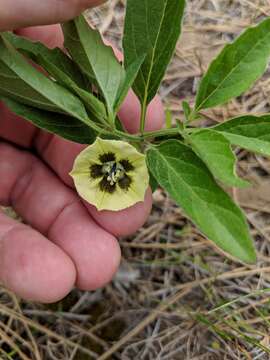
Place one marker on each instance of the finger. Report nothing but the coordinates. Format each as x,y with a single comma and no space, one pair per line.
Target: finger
123,222
54,209
51,35
130,113
15,129
21,13
31,266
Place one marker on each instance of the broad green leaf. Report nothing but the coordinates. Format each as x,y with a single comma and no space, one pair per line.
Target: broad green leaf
39,53
215,150
249,132
188,181
20,81
94,58
96,108
130,76
152,27
237,67
76,50
60,124
153,182
14,87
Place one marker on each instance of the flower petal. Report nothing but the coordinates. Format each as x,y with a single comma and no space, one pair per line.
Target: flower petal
90,189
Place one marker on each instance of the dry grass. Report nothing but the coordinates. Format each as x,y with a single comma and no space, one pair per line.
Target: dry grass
175,296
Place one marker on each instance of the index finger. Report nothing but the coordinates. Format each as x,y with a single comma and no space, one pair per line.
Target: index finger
21,13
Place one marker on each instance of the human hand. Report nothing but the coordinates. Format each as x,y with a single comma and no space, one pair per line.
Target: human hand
69,243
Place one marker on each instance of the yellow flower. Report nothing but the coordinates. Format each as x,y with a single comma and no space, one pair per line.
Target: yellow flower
110,174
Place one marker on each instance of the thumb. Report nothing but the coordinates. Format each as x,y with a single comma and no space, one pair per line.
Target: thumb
21,13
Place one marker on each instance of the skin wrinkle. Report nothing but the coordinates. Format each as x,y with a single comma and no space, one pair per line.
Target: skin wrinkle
54,221
2,238
9,231
46,144
35,136
2,246
7,151
8,121
22,184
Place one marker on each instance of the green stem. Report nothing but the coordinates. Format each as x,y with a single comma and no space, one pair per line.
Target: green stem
102,130
192,130
127,136
143,114
162,132
92,125
148,134
111,118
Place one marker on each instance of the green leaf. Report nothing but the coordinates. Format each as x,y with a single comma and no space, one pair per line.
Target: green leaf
60,124
60,67
39,53
76,50
168,118
96,108
187,110
153,182
21,82
237,67
130,76
215,150
249,132
151,27
94,58
12,86
181,172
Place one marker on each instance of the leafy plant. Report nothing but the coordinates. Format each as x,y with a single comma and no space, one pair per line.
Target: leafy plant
78,94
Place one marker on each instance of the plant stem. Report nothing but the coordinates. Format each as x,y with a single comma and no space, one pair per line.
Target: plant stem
148,134
93,125
143,114
111,118
127,136
162,132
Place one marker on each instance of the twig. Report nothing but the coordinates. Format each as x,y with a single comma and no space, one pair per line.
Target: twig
5,310
184,289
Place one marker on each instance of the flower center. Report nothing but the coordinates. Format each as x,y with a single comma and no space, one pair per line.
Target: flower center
114,171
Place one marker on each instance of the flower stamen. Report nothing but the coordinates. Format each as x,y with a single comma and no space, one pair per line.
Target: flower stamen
114,171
